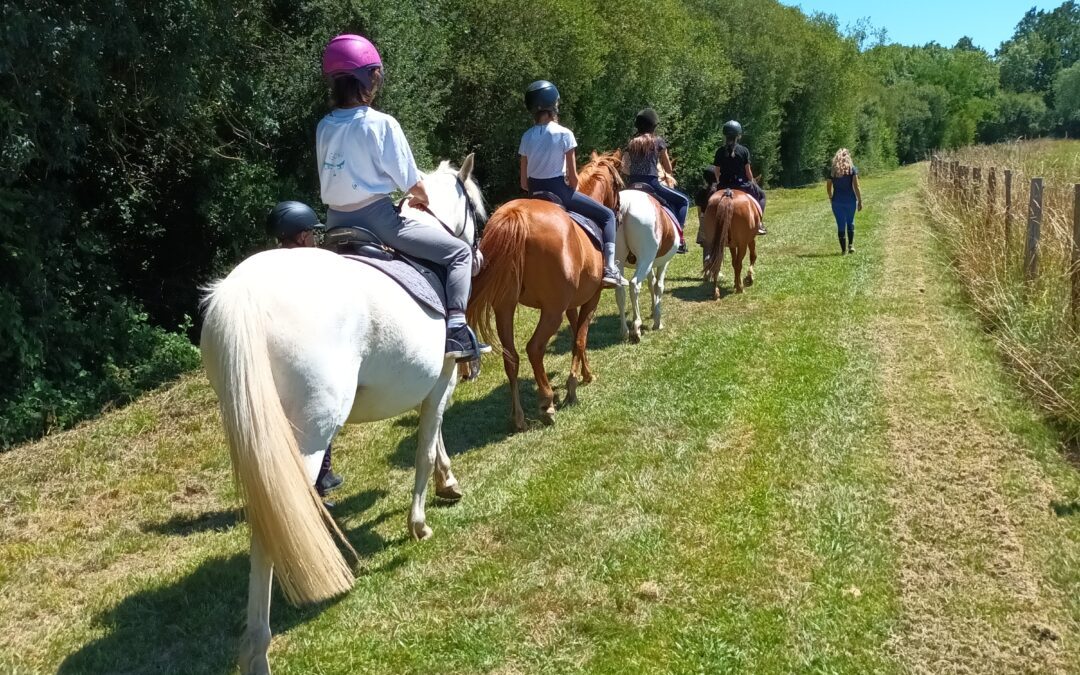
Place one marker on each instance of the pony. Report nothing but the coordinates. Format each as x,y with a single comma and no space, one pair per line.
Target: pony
297,343
535,255
731,219
647,238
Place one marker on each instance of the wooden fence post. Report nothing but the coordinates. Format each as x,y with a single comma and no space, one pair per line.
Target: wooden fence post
991,194
954,178
1075,273
965,185
1035,215
1008,209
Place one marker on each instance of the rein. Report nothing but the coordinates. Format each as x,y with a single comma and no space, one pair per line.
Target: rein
470,214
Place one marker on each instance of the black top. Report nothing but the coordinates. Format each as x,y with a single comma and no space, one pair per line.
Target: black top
732,168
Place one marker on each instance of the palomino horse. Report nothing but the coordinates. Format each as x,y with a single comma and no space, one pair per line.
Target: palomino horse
731,219
535,255
298,342
647,238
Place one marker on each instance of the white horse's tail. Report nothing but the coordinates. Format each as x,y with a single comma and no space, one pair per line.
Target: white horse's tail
282,507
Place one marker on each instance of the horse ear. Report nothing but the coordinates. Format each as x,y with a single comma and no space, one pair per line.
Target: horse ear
467,167
618,155
594,156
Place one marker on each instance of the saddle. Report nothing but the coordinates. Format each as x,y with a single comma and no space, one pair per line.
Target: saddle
423,280
591,228
648,189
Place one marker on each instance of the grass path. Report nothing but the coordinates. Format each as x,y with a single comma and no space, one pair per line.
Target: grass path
830,473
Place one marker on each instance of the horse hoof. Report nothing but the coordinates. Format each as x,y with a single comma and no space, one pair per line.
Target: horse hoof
450,492
420,531
570,400
547,418
635,338
586,378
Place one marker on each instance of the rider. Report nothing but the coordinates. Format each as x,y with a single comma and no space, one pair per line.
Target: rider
644,150
733,170
363,156
549,164
294,224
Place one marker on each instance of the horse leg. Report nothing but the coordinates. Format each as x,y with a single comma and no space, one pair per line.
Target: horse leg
575,358
581,336
753,259
446,485
620,301
427,441
256,639
549,323
737,254
504,324
657,288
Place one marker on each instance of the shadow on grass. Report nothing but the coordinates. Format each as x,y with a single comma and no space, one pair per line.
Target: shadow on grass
1065,509
603,333
473,423
819,254
183,525
193,625
701,292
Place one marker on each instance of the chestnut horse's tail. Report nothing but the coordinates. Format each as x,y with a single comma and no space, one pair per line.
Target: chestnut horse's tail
719,213
499,282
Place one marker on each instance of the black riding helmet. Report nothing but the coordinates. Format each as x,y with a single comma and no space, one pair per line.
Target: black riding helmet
646,121
542,96
288,219
732,129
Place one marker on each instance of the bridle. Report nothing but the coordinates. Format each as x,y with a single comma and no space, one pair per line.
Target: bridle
470,214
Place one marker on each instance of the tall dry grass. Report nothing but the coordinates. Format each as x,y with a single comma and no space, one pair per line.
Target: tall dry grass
1032,322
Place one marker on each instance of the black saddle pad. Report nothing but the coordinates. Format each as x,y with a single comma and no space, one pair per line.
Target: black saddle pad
590,227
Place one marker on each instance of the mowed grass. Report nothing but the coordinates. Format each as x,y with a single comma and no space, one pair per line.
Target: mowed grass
731,495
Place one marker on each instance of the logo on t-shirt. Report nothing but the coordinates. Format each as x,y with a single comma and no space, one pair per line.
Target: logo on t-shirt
333,165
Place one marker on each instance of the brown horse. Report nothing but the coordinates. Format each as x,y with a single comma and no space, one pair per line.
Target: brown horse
731,220
536,256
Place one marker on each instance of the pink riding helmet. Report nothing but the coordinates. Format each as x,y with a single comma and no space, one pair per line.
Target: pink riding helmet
348,53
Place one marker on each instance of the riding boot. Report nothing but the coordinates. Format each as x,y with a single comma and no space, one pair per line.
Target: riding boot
612,276
851,240
843,243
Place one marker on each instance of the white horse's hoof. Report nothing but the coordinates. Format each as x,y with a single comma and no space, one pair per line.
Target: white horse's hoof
547,418
420,531
451,492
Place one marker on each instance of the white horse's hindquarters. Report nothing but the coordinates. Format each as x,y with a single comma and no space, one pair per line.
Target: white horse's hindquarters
347,343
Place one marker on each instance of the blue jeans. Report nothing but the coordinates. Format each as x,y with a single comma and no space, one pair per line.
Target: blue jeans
578,203
433,244
673,199
844,211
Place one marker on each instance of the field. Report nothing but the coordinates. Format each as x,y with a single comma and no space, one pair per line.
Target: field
833,472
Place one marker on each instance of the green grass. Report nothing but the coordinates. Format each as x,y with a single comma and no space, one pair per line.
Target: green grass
746,491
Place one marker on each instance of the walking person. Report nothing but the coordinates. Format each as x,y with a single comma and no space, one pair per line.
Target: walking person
842,185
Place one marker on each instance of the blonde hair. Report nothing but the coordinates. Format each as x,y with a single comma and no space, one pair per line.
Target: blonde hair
841,163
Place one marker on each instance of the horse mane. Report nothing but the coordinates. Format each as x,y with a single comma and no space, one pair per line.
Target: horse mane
602,171
471,189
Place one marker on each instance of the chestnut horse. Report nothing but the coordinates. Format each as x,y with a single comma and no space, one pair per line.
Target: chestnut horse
536,256
731,220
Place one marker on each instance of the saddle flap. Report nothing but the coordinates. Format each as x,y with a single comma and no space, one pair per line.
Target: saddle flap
356,241
546,196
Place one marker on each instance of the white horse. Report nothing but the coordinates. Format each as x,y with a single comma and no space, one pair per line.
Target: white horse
647,236
298,342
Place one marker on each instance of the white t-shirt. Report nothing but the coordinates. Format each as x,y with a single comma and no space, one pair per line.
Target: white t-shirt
546,146
362,154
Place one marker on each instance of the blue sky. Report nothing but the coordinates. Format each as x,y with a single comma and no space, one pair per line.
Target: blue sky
916,22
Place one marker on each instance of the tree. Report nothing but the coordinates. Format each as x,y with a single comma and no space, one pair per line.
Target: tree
1067,98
